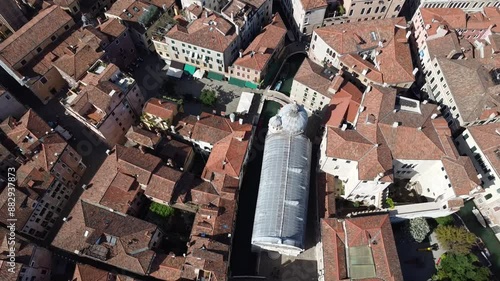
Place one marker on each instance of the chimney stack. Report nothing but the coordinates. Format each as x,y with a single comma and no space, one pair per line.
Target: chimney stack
172,127
241,53
241,121
344,127
395,124
232,117
198,117
433,116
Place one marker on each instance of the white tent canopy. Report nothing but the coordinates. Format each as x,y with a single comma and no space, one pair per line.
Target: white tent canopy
199,73
174,72
245,102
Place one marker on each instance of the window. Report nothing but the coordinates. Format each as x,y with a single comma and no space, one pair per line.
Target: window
53,38
23,62
39,49
43,80
466,136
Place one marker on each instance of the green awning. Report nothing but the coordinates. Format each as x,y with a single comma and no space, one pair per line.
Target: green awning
251,85
237,82
190,69
215,76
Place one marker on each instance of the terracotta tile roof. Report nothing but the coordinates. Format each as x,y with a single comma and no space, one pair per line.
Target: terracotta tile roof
453,18
96,95
112,27
161,108
162,183
184,124
167,267
64,3
142,137
488,141
195,9
456,203
377,141
77,64
160,3
32,34
471,85
203,193
30,135
308,5
226,157
334,256
23,210
135,8
349,39
263,46
85,272
344,105
33,182
212,33
213,128
179,152
311,75
131,250
121,192
358,232
133,162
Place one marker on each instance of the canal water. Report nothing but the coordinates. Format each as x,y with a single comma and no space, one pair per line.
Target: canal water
486,234
288,71
243,261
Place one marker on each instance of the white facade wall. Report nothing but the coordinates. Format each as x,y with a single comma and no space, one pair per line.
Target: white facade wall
209,60
466,5
489,201
310,99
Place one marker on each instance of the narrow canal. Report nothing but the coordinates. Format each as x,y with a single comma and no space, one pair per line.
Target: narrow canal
288,71
486,235
243,261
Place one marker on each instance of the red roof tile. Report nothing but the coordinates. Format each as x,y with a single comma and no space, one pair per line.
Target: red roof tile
163,109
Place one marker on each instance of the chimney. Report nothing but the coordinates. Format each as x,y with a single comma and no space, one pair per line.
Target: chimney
99,20
425,101
479,176
395,124
84,186
214,112
198,117
223,113
108,152
206,14
241,53
86,233
419,129
232,117
344,127
240,121
408,34
415,70
433,116
232,16
65,219
172,127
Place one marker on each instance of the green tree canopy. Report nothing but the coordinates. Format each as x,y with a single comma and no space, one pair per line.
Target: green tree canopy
418,229
455,267
208,97
454,239
448,220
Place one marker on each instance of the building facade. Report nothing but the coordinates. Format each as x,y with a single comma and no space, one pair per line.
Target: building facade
369,52
107,101
9,105
482,144
370,159
253,63
210,43
30,64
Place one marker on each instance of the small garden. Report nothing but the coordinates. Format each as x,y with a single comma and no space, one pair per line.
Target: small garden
457,262
175,224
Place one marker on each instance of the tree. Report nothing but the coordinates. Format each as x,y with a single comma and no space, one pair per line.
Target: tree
448,220
455,267
457,240
390,203
208,97
418,229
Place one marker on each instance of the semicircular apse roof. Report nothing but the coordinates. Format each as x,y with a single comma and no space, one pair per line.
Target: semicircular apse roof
293,118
